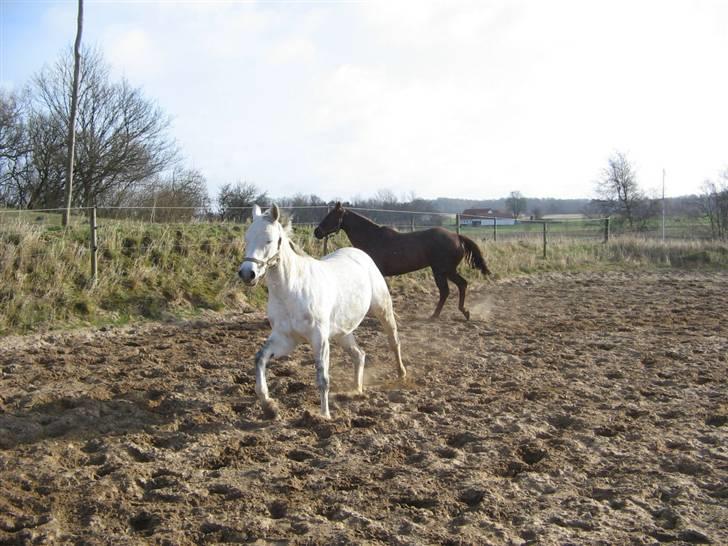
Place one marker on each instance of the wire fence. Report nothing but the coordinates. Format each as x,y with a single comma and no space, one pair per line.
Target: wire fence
485,227
99,222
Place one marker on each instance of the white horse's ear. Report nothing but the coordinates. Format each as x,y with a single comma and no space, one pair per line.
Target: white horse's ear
256,211
275,213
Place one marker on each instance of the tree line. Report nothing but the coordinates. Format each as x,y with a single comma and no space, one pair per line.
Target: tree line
620,195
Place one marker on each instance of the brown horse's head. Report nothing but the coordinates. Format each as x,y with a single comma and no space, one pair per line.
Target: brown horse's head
332,222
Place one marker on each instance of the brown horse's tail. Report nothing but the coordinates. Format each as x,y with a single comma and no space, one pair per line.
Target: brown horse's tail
473,255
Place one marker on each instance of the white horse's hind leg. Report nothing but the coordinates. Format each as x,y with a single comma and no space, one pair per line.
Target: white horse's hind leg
350,345
320,345
385,314
276,346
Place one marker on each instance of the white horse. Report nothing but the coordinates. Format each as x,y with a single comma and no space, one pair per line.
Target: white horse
313,301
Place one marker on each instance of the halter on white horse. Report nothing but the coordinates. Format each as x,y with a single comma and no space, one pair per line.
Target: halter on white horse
311,300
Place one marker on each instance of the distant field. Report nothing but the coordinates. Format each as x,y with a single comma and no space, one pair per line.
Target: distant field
575,227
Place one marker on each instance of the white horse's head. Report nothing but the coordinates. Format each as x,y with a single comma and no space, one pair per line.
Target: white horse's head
263,240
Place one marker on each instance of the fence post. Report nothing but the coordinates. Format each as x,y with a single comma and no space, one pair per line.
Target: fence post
326,239
94,245
544,240
457,224
413,223
495,229
606,229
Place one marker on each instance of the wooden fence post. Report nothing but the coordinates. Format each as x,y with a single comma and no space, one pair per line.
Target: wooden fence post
457,224
544,240
326,239
94,245
413,223
495,229
606,229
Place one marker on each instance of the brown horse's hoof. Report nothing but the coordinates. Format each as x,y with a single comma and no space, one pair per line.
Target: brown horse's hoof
467,314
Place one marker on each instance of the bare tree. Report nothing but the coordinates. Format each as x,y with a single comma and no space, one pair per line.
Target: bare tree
235,200
121,137
516,204
72,115
618,190
180,196
13,148
385,198
714,202
307,209
42,186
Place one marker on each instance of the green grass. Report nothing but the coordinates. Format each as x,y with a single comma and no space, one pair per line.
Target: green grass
162,271
145,271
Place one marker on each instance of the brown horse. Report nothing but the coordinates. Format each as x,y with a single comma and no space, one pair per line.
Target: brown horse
396,253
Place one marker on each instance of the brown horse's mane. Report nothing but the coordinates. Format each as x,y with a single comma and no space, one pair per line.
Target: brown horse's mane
371,224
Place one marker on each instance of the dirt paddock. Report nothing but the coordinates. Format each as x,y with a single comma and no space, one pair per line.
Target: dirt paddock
574,409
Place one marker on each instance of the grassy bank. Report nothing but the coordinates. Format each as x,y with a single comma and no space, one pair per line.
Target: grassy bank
149,271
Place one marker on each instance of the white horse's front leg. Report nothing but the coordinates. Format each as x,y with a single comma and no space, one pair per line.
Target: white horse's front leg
320,345
276,346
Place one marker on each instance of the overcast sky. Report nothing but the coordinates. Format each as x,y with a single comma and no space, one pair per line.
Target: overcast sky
438,99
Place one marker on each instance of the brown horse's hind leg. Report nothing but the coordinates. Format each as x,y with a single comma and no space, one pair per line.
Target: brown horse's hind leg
462,285
441,282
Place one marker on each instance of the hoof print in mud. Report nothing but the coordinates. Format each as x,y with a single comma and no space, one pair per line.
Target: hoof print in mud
716,419
461,439
472,497
531,454
145,523
278,509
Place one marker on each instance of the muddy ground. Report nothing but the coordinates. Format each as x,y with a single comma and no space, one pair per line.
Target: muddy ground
575,409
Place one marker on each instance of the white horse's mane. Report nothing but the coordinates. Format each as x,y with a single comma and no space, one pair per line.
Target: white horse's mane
286,222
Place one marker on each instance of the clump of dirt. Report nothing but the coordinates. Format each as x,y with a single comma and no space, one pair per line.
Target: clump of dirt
581,408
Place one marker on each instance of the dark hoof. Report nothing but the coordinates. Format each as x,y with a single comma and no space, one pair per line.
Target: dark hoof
467,314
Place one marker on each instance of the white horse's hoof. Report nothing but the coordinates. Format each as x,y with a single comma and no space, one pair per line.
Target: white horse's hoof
270,410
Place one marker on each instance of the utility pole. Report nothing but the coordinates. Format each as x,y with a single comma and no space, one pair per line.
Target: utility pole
663,205
72,118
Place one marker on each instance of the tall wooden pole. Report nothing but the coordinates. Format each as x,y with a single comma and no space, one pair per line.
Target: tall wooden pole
663,205
72,119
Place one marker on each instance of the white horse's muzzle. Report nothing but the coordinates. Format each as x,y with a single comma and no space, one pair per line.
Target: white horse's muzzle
252,269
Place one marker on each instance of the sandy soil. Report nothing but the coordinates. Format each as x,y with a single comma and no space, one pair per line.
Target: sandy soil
577,409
